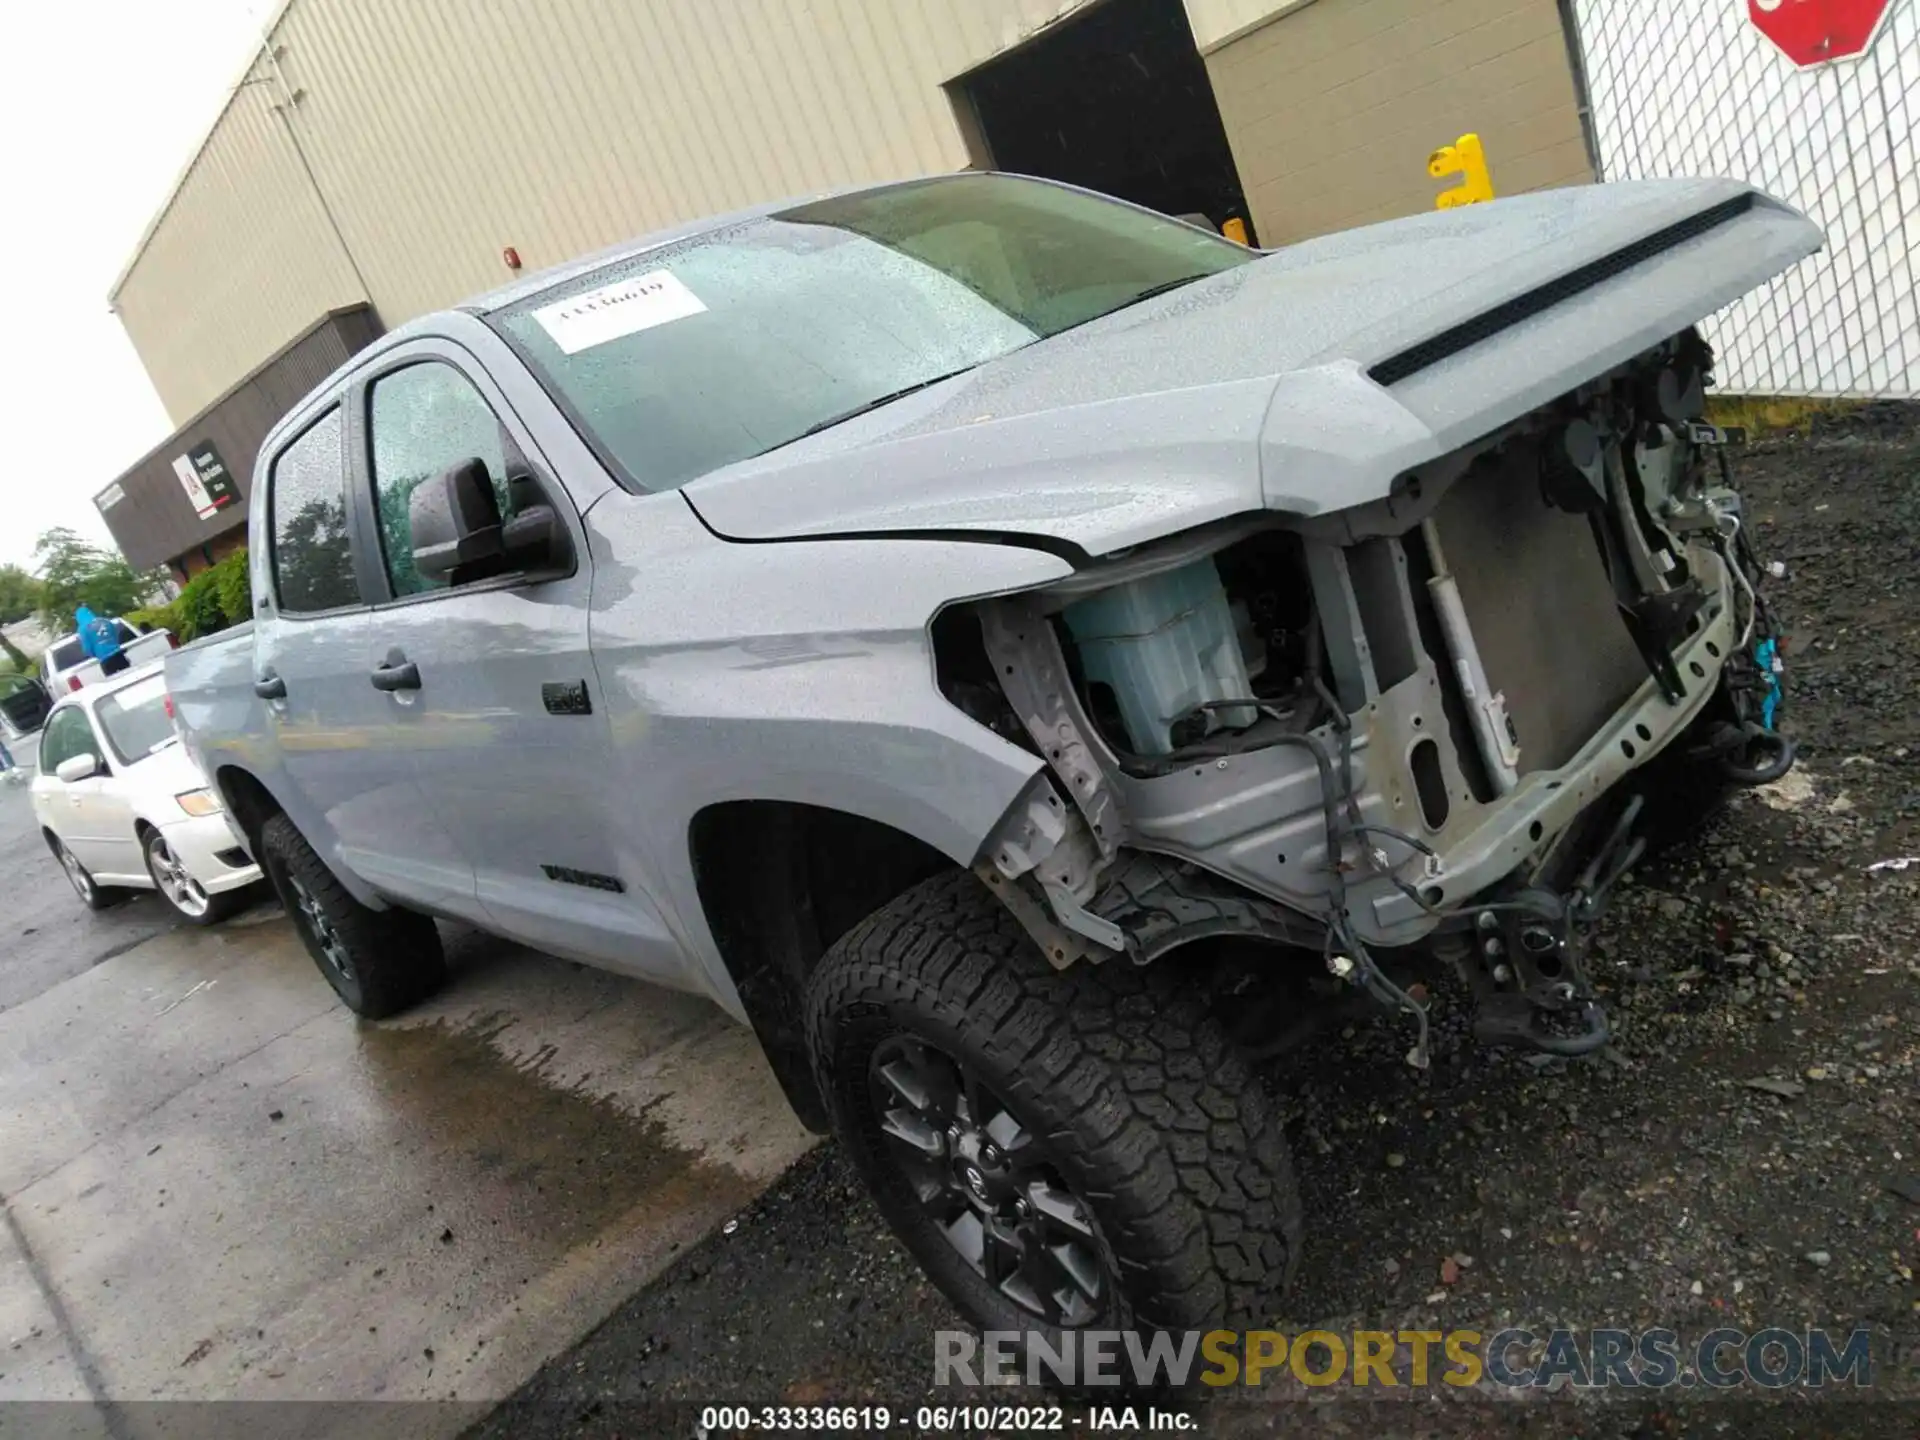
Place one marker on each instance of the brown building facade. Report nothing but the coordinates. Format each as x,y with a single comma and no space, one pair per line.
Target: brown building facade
184,503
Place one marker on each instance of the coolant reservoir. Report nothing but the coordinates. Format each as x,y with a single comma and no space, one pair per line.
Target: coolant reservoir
1163,646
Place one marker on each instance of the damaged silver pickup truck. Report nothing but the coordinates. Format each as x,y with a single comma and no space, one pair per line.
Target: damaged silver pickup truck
1026,657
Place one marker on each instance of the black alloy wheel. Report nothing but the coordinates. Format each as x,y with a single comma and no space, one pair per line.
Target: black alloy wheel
988,1183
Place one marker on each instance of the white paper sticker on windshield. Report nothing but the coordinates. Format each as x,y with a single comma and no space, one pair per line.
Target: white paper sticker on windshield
623,308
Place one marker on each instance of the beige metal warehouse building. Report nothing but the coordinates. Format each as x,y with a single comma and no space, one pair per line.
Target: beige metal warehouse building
399,155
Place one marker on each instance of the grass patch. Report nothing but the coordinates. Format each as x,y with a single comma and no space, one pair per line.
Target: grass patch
1762,415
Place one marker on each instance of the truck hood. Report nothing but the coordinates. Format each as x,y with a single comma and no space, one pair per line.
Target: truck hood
1304,382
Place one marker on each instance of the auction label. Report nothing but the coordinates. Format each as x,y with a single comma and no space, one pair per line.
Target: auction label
625,307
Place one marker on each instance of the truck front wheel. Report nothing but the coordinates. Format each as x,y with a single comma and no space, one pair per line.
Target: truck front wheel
378,961
1057,1149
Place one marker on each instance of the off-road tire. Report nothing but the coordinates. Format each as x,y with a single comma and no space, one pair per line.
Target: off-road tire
395,958
1152,1115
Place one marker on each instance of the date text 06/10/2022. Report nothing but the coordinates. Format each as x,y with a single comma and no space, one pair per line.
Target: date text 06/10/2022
716,1420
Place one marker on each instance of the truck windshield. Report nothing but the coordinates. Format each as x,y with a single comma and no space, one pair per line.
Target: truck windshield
693,355
136,721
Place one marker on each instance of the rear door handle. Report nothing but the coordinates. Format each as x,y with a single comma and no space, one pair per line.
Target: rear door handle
270,686
403,675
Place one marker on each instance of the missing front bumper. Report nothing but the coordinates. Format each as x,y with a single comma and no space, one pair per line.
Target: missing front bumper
1522,951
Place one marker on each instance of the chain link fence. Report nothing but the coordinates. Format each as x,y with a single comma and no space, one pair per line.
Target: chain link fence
1691,87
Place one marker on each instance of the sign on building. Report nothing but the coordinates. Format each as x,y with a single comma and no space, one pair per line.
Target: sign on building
205,478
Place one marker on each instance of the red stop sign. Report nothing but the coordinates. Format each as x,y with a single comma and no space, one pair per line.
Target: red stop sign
1811,32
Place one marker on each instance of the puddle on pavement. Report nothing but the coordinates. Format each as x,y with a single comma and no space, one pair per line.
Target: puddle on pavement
560,1160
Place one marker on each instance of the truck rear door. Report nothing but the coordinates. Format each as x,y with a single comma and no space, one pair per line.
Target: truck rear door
24,703
335,734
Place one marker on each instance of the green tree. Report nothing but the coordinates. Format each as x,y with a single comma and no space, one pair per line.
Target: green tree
14,656
74,573
312,557
396,536
19,594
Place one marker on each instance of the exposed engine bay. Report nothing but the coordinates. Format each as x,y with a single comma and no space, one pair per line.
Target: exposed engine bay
1402,731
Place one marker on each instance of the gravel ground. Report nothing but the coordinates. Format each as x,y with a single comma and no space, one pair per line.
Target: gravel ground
1746,1154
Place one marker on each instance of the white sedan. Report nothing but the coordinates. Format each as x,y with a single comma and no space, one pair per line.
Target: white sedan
125,808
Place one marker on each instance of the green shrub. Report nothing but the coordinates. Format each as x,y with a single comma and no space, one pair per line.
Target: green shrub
235,587
198,606
153,617
206,604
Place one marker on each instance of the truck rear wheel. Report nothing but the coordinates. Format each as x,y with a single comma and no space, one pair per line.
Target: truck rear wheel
1057,1149
378,961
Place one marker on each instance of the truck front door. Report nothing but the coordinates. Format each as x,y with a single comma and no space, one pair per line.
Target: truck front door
500,713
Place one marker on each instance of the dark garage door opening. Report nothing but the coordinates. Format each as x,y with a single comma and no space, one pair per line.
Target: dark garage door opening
1116,99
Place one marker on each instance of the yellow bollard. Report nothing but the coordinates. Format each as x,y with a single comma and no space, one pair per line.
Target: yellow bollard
1466,159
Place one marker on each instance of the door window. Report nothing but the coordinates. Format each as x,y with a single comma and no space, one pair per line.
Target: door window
425,419
68,734
312,558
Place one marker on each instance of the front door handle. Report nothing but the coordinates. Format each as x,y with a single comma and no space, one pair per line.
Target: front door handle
396,675
270,686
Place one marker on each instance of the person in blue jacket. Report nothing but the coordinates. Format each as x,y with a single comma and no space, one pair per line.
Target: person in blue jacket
100,638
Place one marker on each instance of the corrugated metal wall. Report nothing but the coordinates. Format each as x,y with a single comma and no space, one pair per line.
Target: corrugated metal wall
1217,21
147,510
242,261
440,131
1333,108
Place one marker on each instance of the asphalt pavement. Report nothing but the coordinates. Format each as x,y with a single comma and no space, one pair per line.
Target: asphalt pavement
218,1185
45,935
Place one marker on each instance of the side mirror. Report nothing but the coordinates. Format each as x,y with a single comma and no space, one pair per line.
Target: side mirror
77,767
455,521
535,539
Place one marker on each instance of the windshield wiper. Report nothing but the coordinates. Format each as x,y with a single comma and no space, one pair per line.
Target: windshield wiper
1147,294
876,403
1162,288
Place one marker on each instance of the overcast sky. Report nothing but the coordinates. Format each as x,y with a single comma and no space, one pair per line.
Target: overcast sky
101,103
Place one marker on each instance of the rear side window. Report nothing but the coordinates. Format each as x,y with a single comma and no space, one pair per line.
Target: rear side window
312,559
65,655
426,418
135,720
